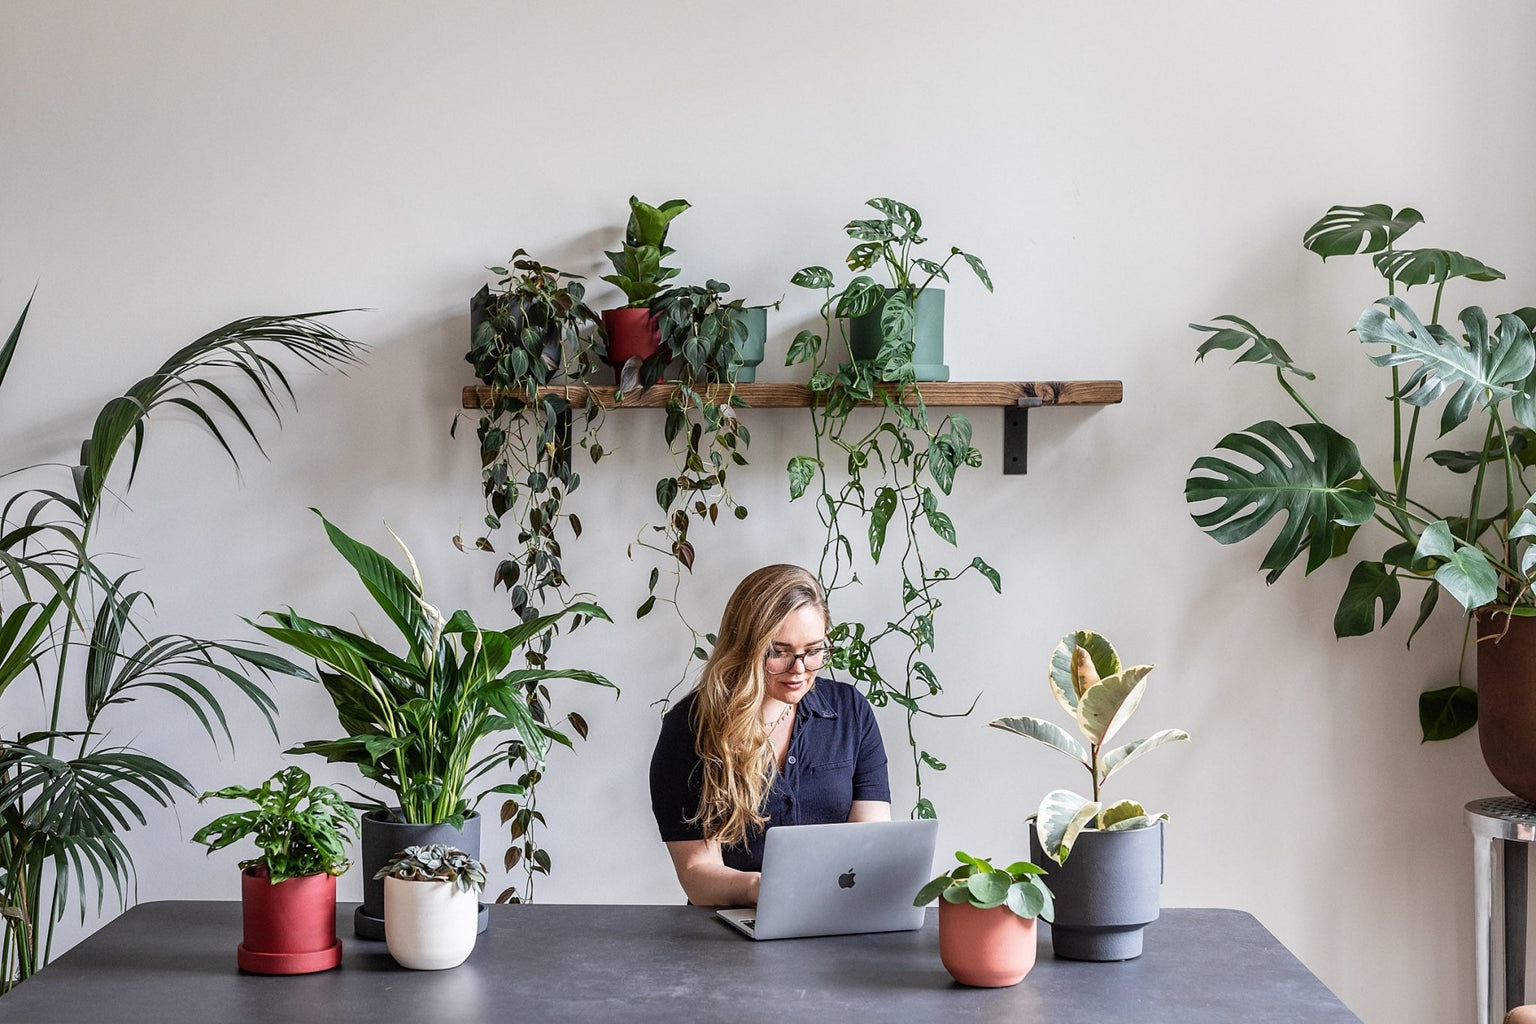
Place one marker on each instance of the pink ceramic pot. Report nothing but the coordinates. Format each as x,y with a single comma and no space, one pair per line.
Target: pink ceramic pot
986,948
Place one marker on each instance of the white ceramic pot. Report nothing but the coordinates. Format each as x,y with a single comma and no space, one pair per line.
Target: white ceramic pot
429,926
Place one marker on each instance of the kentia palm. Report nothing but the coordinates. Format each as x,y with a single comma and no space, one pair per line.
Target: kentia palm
414,722
66,793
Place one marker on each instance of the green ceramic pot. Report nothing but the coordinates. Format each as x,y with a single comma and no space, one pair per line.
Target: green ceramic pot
756,318
864,335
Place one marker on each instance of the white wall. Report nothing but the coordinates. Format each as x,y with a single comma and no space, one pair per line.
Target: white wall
1123,168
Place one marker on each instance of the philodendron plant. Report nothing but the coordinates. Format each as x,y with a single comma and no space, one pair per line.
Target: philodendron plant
1088,681
975,881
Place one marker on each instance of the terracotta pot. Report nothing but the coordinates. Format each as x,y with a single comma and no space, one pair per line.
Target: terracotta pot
1506,699
632,332
429,926
986,948
290,927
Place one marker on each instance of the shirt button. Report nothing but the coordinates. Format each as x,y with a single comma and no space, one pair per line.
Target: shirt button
791,759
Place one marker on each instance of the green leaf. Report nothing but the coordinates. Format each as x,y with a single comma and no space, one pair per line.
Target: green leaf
1466,575
1481,372
1348,230
1106,662
803,348
1118,758
979,269
931,891
1044,732
802,470
1409,267
879,517
1105,706
1123,810
1026,899
1061,817
1259,348
990,573
1369,584
813,277
1305,471
9,348
1448,712
989,888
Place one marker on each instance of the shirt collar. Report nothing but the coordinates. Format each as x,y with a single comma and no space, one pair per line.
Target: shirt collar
818,702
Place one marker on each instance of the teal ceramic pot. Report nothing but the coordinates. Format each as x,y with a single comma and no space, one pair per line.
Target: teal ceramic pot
864,335
752,349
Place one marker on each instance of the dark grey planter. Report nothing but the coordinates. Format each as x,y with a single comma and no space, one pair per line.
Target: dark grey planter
865,336
383,837
1106,892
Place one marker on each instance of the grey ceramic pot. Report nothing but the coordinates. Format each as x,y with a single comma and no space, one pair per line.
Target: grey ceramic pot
1106,892
383,837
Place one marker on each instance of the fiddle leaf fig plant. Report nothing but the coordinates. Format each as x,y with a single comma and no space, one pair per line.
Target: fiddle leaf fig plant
975,881
1089,682
637,269
1483,371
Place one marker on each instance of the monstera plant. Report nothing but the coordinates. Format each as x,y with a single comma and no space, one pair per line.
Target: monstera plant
1478,548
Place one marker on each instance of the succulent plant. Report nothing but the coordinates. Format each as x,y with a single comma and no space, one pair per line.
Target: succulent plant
1088,681
977,882
436,863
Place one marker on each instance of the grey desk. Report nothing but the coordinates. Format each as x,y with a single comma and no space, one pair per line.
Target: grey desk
175,961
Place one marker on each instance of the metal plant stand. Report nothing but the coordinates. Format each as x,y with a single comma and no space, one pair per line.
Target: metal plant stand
1500,883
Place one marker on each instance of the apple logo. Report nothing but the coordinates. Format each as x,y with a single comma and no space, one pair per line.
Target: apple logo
845,880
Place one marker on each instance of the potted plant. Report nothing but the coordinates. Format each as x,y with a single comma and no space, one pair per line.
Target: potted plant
288,893
413,722
431,896
987,919
638,273
881,486
1480,553
1107,892
898,329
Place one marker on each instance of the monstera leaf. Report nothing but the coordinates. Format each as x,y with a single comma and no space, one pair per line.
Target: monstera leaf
1347,230
1249,342
1486,369
1306,471
1420,266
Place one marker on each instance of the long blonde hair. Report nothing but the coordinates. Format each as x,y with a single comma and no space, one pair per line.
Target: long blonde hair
731,742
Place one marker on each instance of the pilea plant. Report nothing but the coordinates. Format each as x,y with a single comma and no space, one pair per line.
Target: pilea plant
1481,554
913,461
529,336
1088,681
975,881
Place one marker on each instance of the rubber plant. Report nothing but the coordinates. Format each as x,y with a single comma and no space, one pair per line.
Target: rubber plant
420,723
534,340
1479,549
882,481
71,620
702,332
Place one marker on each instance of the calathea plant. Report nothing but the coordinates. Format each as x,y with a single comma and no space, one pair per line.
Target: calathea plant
73,622
1479,551
531,336
882,480
1091,685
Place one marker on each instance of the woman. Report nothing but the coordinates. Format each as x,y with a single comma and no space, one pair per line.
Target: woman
761,741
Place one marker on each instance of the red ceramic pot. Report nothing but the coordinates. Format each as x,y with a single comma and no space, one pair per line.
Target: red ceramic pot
290,927
986,948
632,332
1506,699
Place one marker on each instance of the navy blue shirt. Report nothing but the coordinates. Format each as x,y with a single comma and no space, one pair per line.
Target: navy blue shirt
835,757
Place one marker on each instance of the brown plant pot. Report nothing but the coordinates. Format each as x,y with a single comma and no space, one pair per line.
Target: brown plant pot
1506,699
985,948
632,333
290,927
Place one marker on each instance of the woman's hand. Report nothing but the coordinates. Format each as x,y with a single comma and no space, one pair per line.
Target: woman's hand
706,880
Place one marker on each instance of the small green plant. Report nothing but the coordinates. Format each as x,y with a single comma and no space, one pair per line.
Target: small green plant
301,829
637,269
436,863
975,881
1088,681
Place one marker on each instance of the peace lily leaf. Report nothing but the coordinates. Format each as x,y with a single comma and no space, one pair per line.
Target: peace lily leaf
1061,817
1105,661
1448,712
1481,372
1467,574
1260,349
1420,266
1122,810
1044,732
1311,485
1369,584
1347,230
1105,708
1122,756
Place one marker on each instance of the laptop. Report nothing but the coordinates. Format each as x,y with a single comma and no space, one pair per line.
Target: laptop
839,879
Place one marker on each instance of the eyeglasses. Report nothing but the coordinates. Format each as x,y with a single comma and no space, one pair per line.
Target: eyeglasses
813,659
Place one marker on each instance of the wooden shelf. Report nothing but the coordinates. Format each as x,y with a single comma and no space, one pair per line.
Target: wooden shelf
1014,397
783,396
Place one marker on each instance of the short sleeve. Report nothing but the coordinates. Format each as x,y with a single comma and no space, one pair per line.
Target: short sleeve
871,780
676,777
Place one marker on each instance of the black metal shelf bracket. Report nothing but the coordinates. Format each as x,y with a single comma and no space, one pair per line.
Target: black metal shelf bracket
1016,436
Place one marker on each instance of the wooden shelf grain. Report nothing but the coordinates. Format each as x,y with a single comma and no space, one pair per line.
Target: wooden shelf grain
783,396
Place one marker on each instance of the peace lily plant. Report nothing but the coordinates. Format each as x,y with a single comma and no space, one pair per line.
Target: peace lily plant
1479,551
1088,681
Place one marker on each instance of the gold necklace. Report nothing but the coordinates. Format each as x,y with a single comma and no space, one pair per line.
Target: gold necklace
780,720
